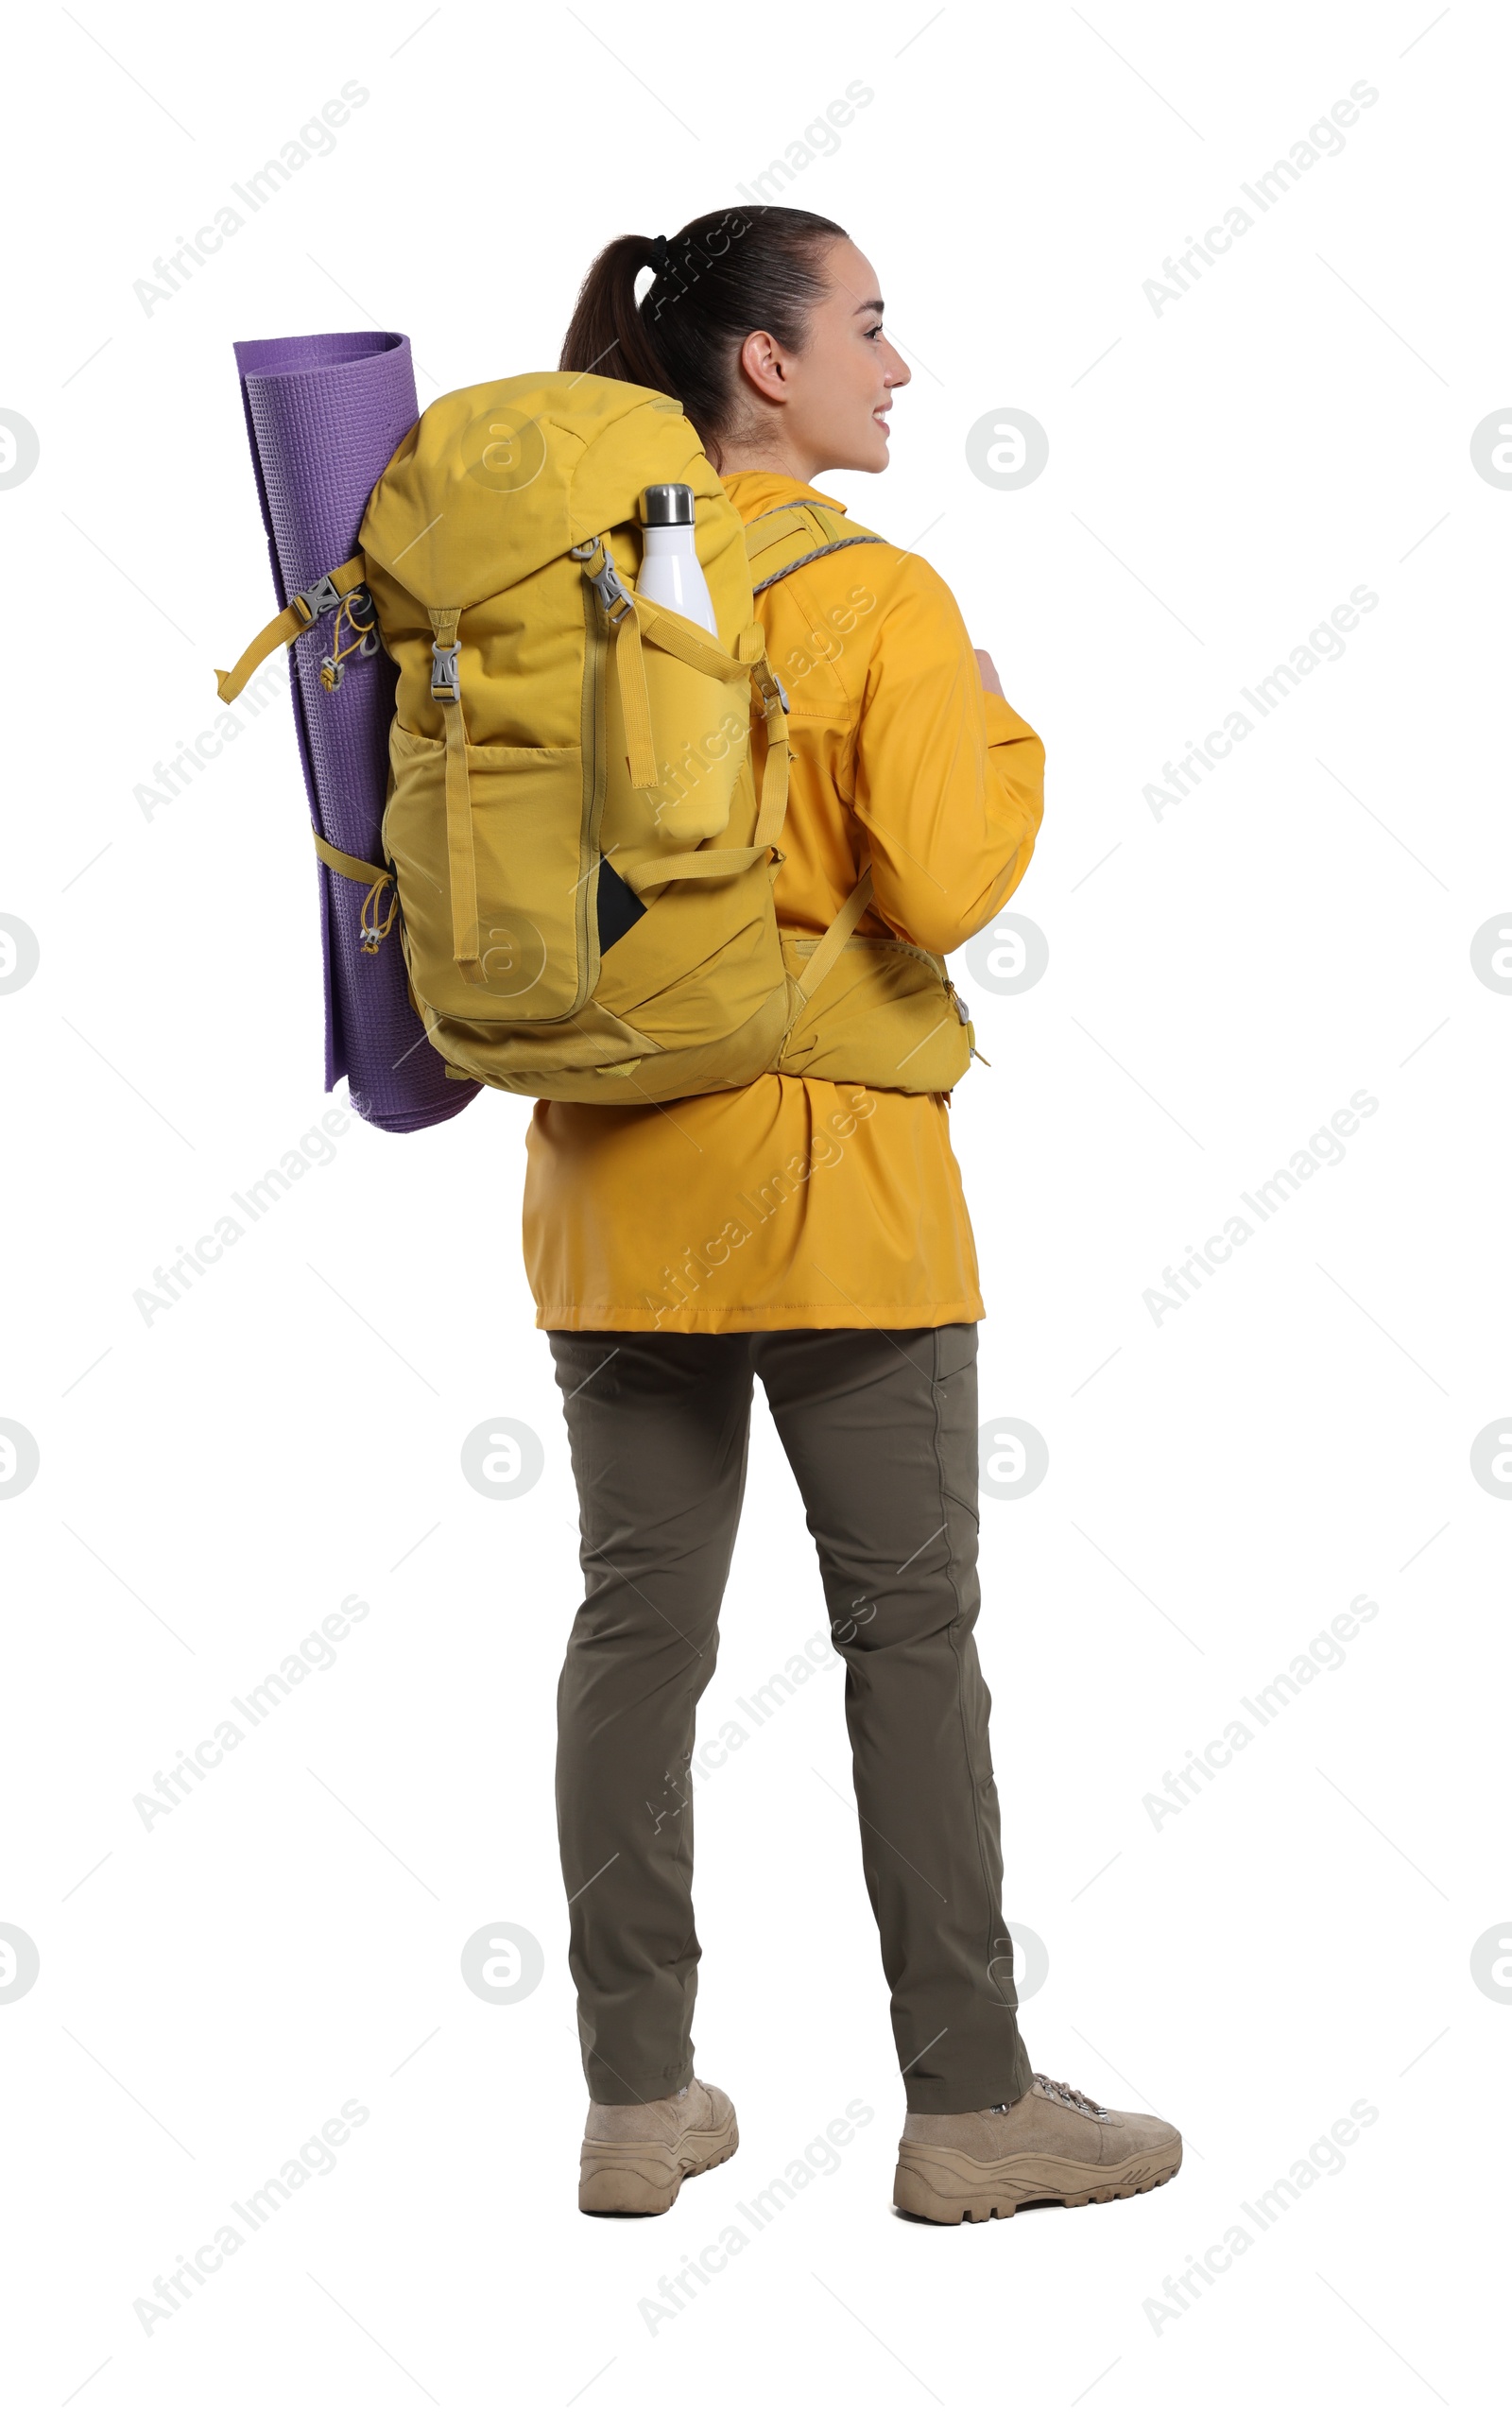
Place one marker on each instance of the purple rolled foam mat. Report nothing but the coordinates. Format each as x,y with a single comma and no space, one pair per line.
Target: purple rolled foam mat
325,415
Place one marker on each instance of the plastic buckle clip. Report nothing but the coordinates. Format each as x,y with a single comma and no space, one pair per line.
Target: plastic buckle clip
446,680
314,601
606,582
612,592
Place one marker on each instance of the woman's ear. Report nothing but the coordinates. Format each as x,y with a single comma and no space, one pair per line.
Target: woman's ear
760,357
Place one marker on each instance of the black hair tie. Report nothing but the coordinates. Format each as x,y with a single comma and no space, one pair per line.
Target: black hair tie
661,254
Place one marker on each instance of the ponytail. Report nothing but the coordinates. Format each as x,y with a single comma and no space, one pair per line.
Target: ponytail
718,281
607,338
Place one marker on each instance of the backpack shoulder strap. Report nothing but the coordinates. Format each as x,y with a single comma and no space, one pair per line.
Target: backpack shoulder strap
795,533
777,543
827,954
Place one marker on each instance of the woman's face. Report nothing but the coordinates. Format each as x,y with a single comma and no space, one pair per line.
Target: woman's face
836,394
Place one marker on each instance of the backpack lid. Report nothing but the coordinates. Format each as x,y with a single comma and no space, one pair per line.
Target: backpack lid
496,480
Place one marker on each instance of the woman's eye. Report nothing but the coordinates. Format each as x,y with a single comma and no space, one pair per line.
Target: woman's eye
872,332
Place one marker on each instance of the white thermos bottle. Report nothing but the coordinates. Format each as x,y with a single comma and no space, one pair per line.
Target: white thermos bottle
670,574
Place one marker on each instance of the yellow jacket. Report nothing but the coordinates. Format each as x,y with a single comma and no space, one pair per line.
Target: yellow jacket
798,1202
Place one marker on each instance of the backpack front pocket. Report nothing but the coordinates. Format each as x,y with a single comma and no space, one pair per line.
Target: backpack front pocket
529,813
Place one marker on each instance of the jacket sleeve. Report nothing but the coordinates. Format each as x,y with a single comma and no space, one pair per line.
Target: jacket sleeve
948,779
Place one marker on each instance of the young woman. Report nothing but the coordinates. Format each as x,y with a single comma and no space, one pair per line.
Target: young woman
847,1281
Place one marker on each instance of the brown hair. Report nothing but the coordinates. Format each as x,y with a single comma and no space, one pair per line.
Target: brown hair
720,279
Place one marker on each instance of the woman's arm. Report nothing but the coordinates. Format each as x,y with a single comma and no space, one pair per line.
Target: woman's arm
948,779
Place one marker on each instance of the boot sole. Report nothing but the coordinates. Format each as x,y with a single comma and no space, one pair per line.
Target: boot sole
936,2184
646,2178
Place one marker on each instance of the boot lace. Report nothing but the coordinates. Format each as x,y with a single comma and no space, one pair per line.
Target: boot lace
1071,2095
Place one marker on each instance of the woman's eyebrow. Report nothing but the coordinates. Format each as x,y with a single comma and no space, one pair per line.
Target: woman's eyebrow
874,303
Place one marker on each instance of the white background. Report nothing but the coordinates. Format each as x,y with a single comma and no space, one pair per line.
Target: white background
1221,1484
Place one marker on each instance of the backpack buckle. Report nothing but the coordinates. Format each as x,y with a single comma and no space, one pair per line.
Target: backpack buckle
606,581
314,601
768,685
446,677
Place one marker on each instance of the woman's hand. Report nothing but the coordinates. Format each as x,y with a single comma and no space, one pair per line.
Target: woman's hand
989,670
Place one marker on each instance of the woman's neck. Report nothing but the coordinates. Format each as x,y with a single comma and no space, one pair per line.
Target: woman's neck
764,454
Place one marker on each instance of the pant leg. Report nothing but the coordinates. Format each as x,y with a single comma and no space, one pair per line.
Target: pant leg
881,1431
658,1426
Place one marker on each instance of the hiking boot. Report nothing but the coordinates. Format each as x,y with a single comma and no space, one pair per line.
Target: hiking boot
636,2156
1055,2146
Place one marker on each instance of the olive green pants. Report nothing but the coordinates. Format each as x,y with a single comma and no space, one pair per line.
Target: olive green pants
881,1432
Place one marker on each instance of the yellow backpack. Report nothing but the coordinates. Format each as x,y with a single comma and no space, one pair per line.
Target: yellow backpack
582,855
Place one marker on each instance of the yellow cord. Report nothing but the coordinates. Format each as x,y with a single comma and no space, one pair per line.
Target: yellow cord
373,931
363,641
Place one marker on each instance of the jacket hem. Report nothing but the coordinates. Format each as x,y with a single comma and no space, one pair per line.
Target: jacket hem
810,1315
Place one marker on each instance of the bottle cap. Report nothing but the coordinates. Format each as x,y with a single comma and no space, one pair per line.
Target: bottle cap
667,506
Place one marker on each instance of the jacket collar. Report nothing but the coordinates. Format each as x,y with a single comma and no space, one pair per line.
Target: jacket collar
756,491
